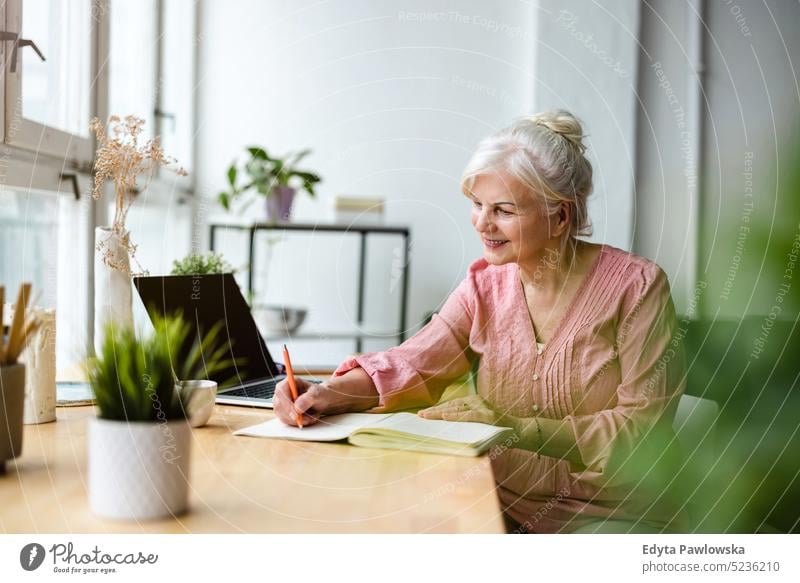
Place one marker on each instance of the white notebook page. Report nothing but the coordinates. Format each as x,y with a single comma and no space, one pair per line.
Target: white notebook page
332,428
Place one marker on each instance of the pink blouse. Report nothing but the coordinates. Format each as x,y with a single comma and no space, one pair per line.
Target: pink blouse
612,370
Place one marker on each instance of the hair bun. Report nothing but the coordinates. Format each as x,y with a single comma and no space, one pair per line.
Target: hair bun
564,124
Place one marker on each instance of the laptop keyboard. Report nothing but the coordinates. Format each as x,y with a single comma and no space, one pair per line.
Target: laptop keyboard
265,390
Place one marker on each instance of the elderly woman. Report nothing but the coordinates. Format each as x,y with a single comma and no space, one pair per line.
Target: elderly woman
574,341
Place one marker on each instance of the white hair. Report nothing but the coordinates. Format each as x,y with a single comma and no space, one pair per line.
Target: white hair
545,153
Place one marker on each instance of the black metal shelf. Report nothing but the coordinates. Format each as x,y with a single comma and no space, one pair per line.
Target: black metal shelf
362,231
328,227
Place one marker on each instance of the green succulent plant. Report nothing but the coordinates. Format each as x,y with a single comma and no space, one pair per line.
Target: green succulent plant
133,378
201,264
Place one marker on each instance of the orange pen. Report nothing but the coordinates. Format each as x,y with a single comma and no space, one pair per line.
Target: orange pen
292,383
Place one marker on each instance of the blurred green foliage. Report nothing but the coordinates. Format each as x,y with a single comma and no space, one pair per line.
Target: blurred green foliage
749,365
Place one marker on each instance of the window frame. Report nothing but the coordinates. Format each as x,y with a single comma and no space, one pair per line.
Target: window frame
50,165
73,150
184,184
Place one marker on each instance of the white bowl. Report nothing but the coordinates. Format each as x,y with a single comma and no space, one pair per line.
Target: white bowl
281,319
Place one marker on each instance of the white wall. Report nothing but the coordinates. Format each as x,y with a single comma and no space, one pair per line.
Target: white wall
665,167
749,117
627,69
392,97
751,145
586,63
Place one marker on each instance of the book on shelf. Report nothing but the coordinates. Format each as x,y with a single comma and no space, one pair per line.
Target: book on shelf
357,210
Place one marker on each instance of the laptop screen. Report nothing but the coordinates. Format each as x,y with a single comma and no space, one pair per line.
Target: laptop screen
205,300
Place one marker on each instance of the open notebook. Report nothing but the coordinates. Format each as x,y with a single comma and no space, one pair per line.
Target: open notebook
390,431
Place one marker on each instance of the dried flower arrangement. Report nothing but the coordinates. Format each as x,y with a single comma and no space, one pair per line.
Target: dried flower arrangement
121,159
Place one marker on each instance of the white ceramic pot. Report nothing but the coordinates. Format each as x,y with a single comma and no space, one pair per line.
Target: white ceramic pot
139,470
112,284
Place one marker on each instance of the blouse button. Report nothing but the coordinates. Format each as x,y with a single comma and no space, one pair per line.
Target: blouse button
535,377
536,408
538,350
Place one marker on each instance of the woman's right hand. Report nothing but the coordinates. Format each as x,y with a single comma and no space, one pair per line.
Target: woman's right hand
353,391
286,410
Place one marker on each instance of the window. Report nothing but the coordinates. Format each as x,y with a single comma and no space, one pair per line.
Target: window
177,87
151,75
161,228
48,102
57,265
132,62
102,57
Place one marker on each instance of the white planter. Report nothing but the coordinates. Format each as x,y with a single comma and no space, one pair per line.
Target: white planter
139,470
112,285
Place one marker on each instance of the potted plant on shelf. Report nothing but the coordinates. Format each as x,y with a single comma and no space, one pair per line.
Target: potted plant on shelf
277,179
139,444
120,159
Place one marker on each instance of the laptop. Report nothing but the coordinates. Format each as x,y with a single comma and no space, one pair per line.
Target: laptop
205,300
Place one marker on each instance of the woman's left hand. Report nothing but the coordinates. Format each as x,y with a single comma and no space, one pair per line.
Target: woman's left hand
472,408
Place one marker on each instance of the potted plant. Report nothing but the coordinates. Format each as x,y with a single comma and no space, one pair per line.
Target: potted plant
210,263
201,264
277,179
120,159
139,444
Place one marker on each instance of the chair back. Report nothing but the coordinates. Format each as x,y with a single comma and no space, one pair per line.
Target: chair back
694,425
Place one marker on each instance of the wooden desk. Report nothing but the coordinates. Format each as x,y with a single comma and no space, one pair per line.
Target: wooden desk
251,485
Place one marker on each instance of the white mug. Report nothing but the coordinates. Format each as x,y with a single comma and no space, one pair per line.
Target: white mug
198,400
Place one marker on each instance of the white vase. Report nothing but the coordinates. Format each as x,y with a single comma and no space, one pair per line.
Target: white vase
112,285
139,470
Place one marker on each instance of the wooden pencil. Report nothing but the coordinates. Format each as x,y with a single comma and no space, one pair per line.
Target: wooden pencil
30,331
15,335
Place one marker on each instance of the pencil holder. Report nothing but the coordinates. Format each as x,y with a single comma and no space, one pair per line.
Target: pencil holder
12,396
40,382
